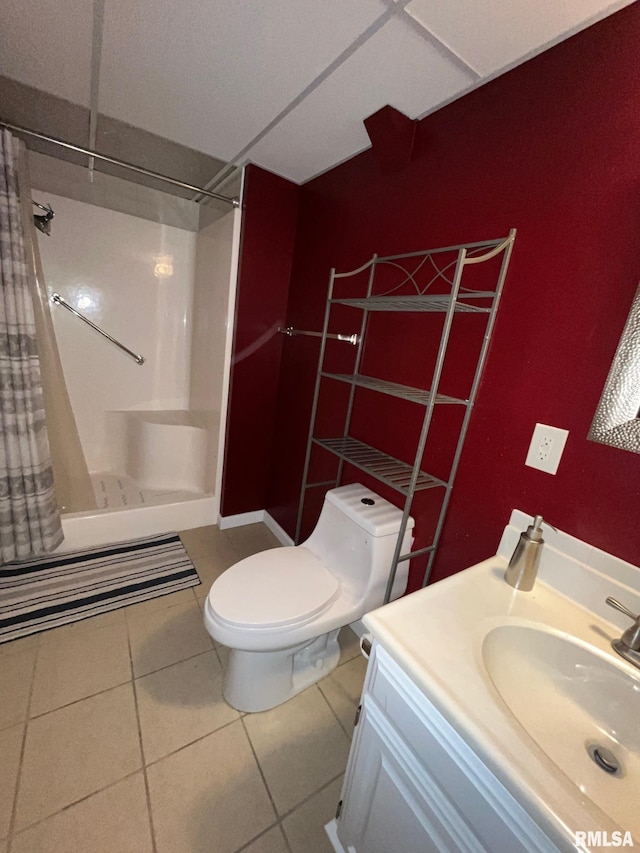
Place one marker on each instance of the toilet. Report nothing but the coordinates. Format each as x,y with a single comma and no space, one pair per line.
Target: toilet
280,611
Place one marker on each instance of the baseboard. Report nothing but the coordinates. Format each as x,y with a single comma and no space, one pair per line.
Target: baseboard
359,629
242,518
239,520
279,532
331,829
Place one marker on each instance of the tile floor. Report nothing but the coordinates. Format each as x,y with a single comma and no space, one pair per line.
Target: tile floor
114,737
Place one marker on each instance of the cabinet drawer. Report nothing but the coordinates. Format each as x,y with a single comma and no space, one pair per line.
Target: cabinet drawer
498,820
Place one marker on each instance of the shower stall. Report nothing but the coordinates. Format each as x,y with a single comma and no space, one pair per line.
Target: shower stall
149,393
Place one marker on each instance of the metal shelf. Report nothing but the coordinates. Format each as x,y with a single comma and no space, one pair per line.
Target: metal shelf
394,389
387,469
447,265
420,304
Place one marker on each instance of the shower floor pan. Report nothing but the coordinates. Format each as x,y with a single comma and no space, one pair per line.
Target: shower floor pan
127,510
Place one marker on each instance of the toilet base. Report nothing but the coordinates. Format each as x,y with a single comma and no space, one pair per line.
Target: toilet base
257,681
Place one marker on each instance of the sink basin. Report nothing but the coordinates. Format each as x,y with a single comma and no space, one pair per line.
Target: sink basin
578,704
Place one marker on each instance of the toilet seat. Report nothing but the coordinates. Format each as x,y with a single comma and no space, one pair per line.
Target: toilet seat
272,589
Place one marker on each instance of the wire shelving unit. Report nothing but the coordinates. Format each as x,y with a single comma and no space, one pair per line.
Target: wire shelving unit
444,292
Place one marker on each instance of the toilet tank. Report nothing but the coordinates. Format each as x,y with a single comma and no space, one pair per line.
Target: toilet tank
355,538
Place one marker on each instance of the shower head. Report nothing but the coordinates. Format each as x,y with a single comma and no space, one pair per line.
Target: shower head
42,221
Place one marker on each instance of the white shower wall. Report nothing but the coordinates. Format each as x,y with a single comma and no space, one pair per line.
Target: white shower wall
134,278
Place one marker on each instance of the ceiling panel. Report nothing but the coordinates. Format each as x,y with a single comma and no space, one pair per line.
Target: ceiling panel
212,75
47,44
494,34
396,66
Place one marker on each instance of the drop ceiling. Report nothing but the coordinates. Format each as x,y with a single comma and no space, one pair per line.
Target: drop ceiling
282,83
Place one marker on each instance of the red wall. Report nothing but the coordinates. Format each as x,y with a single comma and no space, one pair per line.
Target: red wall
553,149
268,232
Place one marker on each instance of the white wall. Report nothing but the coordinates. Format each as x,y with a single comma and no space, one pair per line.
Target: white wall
214,269
102,262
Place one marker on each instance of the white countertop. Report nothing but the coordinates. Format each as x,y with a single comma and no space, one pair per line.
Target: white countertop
436,636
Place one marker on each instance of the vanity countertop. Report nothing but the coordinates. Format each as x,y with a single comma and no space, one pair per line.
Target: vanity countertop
437,634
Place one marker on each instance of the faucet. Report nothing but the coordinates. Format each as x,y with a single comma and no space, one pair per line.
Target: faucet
628,646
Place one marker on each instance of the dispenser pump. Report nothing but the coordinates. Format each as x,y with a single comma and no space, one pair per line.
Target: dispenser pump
534,531
523,565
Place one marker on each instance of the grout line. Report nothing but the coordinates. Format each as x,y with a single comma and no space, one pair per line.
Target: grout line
18,782
175,663
275,825
260,770
311,796
114,686
142,755
76,701
76,802
282,817
339,721
192,742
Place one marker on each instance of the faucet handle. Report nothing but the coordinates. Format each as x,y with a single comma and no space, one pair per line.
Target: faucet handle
612,602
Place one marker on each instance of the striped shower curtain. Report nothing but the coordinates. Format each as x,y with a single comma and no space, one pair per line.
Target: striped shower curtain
29,516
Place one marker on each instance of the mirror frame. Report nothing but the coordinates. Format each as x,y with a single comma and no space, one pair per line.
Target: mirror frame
616,420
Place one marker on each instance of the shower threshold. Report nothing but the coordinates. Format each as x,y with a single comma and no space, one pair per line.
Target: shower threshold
127,510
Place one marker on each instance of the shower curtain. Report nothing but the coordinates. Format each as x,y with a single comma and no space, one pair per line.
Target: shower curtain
70,473
29,516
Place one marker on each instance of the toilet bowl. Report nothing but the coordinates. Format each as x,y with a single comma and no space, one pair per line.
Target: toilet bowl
280,611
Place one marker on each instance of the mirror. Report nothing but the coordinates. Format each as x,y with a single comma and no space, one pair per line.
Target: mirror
617,418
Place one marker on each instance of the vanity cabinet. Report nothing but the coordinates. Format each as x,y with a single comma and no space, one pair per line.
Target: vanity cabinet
414,786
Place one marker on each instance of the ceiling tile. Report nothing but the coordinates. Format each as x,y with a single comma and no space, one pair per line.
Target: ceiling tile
48,46
212,75
396,66
494,34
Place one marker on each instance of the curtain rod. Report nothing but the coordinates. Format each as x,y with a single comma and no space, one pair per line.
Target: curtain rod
234,201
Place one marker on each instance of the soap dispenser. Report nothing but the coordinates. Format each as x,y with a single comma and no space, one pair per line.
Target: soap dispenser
523,565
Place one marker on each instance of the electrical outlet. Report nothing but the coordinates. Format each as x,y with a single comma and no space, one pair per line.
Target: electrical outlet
545,450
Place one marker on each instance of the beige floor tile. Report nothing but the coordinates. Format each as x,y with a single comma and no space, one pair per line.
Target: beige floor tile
211,566
223,655
73,666
180,704
300,746
10,748
304,827
77,750
209,796
251,538
166,636
115,820
349,644
272,841
204,540
101,620
20,645
16,671
3,847
343,688
161,602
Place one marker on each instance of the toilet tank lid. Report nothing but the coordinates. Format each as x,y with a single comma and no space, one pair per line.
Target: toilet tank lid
379,518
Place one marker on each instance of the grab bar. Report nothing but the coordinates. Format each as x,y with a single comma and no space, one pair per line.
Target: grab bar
55,297
290,331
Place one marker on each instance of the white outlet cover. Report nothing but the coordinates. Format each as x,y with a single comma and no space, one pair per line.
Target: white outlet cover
545,450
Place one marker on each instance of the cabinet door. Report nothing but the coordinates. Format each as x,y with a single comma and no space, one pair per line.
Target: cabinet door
387,808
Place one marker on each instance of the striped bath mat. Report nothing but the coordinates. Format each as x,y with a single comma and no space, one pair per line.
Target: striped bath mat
59,588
